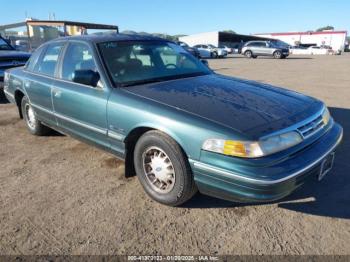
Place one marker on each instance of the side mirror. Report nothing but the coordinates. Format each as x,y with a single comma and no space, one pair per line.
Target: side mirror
205,62
86,77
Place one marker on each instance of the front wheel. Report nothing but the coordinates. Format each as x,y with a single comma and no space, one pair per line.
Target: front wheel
214,55
163,169
277,54
34,126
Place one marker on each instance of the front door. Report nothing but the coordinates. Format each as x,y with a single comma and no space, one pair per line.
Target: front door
80,109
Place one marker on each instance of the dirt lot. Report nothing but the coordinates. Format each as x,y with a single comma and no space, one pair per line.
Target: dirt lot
59,196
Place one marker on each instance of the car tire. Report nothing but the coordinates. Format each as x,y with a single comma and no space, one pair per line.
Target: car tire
214,55
277,54
163,169
34,126
248,54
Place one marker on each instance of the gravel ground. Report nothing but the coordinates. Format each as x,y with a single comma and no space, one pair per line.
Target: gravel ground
59,196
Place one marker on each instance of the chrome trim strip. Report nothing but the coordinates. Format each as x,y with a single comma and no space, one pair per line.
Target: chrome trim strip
79,123
42,109
64,80
115,135
87,126
229,174
9,94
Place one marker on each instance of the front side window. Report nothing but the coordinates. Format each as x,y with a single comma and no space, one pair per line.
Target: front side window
137,62
78,56
279,44
48,63
4,45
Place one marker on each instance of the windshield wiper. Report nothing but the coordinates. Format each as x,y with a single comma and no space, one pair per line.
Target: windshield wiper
161,79
142,82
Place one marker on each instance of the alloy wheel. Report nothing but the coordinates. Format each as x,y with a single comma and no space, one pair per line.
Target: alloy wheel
30,116
158,170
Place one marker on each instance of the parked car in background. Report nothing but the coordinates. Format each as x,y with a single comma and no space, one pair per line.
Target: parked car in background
253,49
10,57
22,45
211,51
317,50
312,50
178,125
229,50
192,50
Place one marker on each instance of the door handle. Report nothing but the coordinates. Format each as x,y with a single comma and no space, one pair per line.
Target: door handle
56,93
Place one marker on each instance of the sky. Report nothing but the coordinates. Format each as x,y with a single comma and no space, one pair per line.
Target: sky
191,16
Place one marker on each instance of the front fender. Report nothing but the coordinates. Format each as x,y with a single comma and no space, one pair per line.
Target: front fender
127,111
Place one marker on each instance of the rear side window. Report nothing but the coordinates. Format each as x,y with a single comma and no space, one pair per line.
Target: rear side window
33,60
257,44
47,64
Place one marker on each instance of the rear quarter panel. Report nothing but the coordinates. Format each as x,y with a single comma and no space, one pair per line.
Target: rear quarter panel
14,82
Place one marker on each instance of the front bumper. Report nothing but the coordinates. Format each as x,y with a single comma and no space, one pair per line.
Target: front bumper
278,181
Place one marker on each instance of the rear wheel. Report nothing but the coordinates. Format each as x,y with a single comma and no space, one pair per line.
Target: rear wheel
163,169
248,54
34,126
277,54
214,54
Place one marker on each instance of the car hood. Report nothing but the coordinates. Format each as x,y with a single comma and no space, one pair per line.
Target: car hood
251,108
13,54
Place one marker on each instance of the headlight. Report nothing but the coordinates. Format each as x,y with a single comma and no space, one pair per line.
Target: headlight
252,149
326,116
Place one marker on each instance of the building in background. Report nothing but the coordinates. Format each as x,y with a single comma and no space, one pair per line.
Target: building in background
28,35
218,38
334,39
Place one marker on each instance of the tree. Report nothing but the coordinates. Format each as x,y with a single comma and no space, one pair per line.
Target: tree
328,27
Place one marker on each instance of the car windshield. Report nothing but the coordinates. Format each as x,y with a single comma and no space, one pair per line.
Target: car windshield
4,45
212,46
139,62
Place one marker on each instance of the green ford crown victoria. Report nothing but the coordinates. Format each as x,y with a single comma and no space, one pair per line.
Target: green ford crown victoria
179,126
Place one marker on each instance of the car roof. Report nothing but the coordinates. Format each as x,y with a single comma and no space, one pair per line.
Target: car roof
256,41
96,38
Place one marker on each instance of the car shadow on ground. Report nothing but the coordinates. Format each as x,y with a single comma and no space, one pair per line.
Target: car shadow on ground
329,198
3,99
298,58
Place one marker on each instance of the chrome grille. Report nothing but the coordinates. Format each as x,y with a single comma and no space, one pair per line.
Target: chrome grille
311,127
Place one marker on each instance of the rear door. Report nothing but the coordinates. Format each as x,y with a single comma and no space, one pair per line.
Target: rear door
40,74
260,48
80,109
